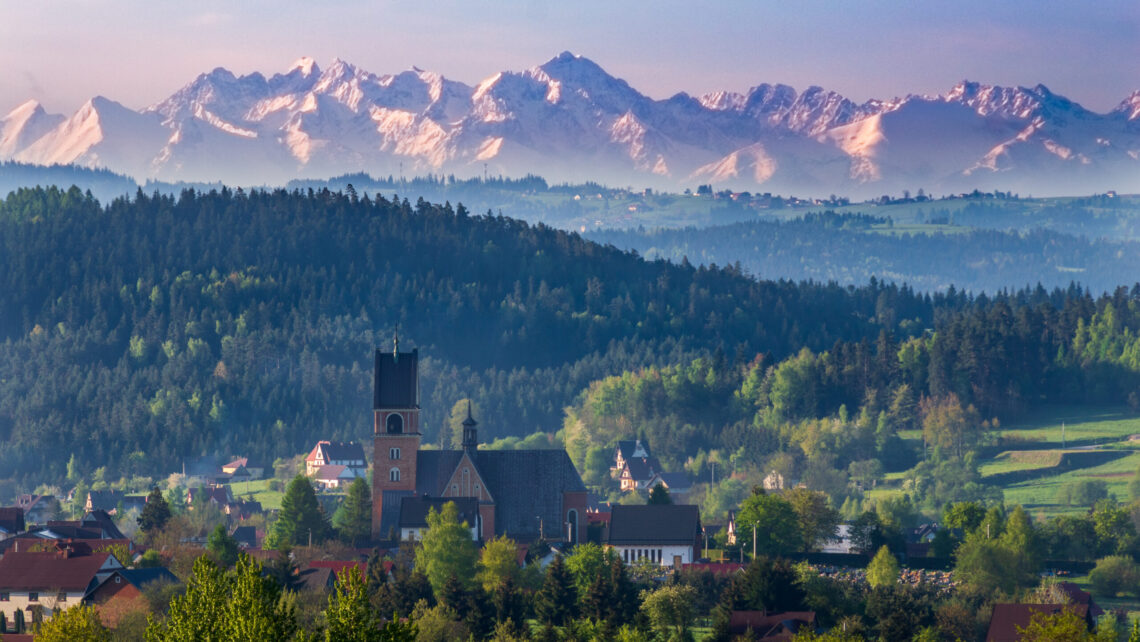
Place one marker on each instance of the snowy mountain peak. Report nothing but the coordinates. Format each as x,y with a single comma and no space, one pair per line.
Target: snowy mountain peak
571,120
306,65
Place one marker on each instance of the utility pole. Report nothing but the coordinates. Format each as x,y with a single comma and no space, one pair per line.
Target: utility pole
753,541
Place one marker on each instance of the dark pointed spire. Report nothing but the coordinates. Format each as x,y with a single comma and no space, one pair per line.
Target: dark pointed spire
396,344
470,434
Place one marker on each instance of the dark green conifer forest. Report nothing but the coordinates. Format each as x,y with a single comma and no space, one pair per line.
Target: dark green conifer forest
157,328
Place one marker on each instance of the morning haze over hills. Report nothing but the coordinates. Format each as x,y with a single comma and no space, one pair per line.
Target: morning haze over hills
570,120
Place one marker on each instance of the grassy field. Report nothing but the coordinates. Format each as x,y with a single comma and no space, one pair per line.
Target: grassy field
1015,460
258,491
1040,495
1081,426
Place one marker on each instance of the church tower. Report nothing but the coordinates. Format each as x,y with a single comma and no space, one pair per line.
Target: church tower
396,430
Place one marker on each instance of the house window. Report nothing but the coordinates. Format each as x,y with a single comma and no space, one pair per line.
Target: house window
118,579
393,453
3,597
33,597
394,475
660,556
62,597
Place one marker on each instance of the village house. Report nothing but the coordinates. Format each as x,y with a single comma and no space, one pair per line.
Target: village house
37,508
336,453
1007,620
333,476
252,470
120,593
524,494
220,495
668,534
44,581
678,484
634,466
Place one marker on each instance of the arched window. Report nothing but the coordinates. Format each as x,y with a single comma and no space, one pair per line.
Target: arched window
572,524
395,424
394,474
393,453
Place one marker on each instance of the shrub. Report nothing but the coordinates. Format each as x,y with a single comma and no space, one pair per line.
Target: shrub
1114,574
1083,492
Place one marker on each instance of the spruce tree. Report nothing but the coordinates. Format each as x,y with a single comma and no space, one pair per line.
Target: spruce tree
659,496
554,604
155,513
301,517
353,520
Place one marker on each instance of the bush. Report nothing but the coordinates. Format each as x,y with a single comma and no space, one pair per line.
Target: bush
1113,575
1083,492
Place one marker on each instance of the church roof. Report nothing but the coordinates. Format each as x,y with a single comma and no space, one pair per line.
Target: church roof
399,379
414,510
526,484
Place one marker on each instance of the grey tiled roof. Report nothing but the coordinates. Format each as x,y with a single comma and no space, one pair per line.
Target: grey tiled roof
525,485
654,524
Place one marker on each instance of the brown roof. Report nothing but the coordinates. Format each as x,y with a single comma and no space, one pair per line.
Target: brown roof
1008,618
774,626
12,519
320,579
50,571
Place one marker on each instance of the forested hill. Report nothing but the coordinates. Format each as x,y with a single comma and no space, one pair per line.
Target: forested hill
850,249
158,328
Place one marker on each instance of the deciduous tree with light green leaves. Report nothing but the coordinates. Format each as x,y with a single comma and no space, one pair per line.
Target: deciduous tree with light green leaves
447,549
350,617
499,561
671,610
77,624
883,569
774,521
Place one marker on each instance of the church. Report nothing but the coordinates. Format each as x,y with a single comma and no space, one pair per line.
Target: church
523,494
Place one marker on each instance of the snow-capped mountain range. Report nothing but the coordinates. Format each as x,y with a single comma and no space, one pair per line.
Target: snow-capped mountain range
570,120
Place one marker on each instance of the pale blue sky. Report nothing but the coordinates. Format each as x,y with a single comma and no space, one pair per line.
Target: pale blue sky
138,52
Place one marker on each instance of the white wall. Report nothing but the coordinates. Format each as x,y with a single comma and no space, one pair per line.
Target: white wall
665,553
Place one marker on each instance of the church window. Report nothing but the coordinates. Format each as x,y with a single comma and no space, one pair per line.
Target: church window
394,475
393,453
455,489
395,424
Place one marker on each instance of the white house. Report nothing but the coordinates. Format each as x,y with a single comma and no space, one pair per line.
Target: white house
414,512
336,453
667,534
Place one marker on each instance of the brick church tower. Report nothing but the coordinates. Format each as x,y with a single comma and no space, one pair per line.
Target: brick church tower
396,431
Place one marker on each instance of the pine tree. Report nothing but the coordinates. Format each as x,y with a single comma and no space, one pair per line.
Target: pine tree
223,546
301,517
155,513
354,518
659,496
349,615
554,604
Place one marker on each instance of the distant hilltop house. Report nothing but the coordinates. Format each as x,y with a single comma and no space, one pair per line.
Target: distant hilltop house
523,494
668,534
349,456
634,466
251,470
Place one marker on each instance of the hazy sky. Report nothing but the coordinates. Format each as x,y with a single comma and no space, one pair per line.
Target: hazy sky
138,52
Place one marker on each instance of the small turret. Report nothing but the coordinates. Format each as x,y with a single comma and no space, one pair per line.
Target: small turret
470,434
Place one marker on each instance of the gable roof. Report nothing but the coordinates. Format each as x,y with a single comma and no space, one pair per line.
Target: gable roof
107,500
772,626
337,451
330,472
140,577
51,571
642,468
1080,596
627,447
220,495
1008,618
414,510
673,481
654,524
526,485
245,535
318,578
